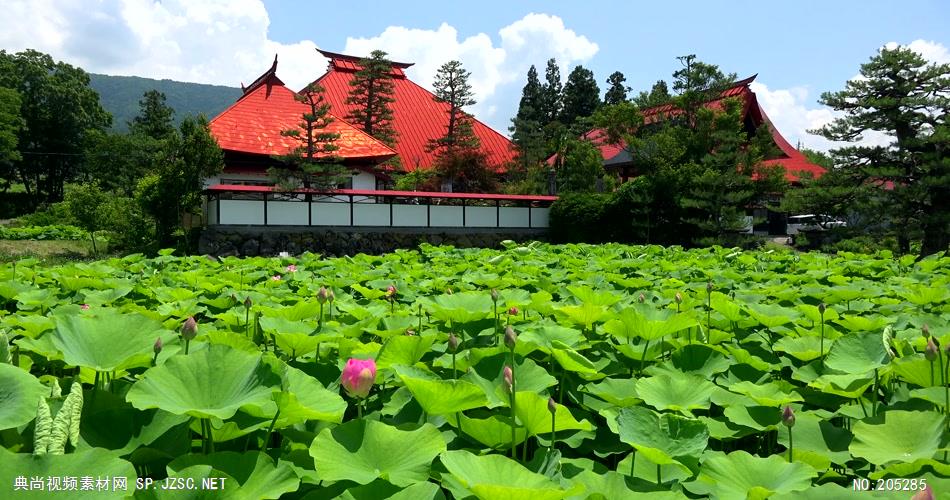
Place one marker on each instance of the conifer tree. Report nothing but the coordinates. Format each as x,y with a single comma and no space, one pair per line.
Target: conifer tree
371,93
155,118
580,97
451,87
617,92
658,94
550,101
526,126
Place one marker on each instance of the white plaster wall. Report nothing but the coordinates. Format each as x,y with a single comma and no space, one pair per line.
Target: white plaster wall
227,178
513,217
446,216
371,215
539,217
242,212
409,215
330,214
364,180
480,216
287,213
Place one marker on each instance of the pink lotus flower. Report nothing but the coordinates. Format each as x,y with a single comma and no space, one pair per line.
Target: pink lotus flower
513,311
275,277
925,494
84,307
291,268
358,377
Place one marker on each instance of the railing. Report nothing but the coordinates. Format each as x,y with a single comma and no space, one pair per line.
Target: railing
264,206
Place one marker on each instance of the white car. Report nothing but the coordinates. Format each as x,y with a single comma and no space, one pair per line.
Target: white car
812,222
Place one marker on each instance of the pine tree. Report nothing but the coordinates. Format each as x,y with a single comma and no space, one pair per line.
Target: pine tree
311,161
659,94
580,97
451,87
550,101
371,93
617,92
155,118
526,132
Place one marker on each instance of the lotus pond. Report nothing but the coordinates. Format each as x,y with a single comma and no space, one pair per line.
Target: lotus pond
535,372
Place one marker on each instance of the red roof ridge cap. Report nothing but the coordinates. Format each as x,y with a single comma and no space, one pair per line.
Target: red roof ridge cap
356,59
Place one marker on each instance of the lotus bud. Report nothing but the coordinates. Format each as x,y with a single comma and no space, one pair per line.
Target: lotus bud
84,307
410,332
190,328
642,298
925,494
331,296
494,295
157,348
511,338
821,308
276,277
358,377
291,268
925,331
930,352
509,377
513,311
709,287
552,406
788,417
678,298
322,295
453,342
391,291
247,302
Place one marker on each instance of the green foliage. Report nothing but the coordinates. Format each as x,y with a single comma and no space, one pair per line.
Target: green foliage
904,97
311,164
658,95
417,180
155,119
54,232
580,166
451,87
59,110
581,95
10,125
371,92
578,218
617,92
468,169
526,127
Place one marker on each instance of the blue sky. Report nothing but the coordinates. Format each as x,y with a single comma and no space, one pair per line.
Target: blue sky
799,49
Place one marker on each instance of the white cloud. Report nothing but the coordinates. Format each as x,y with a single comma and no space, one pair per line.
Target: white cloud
226,42
793,112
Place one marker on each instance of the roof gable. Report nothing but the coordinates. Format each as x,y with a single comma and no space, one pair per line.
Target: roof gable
417,116
253,124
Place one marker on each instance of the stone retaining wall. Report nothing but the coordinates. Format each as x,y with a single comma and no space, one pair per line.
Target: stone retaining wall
251,241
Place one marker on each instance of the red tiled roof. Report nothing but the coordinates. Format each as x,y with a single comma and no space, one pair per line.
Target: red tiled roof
417,116
791,159
253,124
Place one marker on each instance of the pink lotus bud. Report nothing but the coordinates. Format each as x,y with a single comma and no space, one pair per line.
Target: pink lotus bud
925,331
494,295
678,298
158,345
247,302
275,277
509,377
391,291
925,494
642,298
822,308
552,406
84,307
291,268
453,342
511,338
331,296
322,295
513,311
358,377
788,417
190,328
930,352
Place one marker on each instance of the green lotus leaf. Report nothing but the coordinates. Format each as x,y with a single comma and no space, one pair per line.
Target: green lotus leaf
845,385
588,295
857,353
648,323
403,350
107,341
646,470
462,307
108,421
831,491
296,344
304,398
282,325
365,450
700,359
212,382
619,392
256,474
302,311
30,325
380,490
741,475
492,477
584,315
678,393
532,411
663,438
898,436
803,348
817,435
19,393
862,323
543,334
94,462
571,360
724,305
440,397
493,432
755,417
772,315
913,469
770,394
917,370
